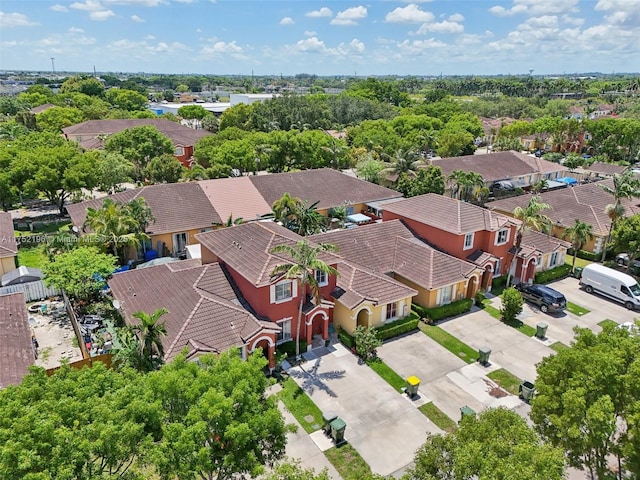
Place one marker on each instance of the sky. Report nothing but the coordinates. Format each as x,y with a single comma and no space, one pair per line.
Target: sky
328,37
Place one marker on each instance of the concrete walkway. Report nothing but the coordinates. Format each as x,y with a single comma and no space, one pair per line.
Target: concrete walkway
384,426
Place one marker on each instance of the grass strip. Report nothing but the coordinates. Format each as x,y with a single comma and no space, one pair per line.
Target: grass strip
451,343
558,346
607,322
577,309
388,374
580,262
491,310
300,405
521,327
506,380
438,417
34,257
348,462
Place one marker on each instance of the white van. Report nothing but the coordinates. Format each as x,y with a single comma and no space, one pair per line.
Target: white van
611,283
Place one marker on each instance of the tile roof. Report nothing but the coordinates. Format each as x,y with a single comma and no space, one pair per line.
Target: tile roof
246,249
16,348
330,188
235,197
179,134
542,242
357,284
390,247
42,108
176,207
8,245
606,168
498,165
449,214
205,313
585,202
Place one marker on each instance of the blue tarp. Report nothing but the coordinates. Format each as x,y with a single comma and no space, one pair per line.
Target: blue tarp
567,180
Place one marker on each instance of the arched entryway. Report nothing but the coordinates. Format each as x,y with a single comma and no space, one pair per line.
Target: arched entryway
530,271
472,286
487,277
317,329
267,345
363,318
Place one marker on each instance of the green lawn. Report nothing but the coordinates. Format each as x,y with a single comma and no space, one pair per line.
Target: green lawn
348,462
607,322
577,309
558,346
32,257
451,343
53,227
517,324
387,374
490,309
300,405
579,261
506,380
438,417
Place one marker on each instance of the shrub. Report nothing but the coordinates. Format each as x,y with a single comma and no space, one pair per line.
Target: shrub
553,274
367,341
288,349
499,283
479,298
399,327
451,310
346,339
511,304
590,256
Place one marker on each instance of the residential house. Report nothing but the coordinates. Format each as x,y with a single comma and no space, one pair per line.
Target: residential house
602,169
461,229
391,249
539,252
586,202
8,245
205,313
520,169
183,209
92,134
16,344
491,127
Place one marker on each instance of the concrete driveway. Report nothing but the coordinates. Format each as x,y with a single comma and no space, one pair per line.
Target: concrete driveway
384,426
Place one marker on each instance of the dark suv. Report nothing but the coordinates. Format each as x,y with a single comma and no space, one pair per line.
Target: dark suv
548,299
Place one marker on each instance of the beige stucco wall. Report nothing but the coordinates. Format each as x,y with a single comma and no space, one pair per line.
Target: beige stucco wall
348,319
7,264
167,238
429,298
594,245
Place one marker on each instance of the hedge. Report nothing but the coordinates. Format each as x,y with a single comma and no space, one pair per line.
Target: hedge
289,348
499,282
590,256
450,310
553,274
346,339
397,328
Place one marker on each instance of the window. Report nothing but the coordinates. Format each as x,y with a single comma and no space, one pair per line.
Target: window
554,259
502,237
539,260
445,295
179,243
179,151
283,291
391,311
498,271
285,334
468,241
321,278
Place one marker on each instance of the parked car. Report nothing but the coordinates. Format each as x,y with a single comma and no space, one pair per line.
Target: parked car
622,259
503,185
611,283
546,298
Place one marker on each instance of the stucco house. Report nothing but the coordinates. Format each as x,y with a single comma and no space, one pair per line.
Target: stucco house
8,245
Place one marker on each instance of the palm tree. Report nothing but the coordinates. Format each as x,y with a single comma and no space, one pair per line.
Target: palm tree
578,234
286,208
625,186
115,224
404,161
307,220
150,334
464,184
302,264
530,216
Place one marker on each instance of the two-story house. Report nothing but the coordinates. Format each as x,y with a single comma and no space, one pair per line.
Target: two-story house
460,229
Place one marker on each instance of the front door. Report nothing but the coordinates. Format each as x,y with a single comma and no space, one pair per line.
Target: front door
179,243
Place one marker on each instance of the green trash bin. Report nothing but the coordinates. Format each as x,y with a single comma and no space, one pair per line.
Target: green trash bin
338,427
541,330
327,418
466,411
483,355
527,390
577,272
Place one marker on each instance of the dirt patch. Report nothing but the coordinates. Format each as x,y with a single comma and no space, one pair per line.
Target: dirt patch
494,390
56,340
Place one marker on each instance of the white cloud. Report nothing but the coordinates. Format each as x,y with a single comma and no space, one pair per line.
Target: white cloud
537,7
440,27
309,33
8,20
310,45
149,37
350,16
409,14
287,21
137,19
575,21
137,3
624,12
75,30
354,47
88,6
101,15
313,45
456,17
184,1
58,8
323,12
220,48
145,49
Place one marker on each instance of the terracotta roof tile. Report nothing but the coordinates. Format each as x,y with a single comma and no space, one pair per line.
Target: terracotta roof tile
16,348
449,214
330,188
606,168
204,311
235,197
542,242
8,245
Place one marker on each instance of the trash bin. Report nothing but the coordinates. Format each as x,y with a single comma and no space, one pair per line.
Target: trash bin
327,418
577,272
413,383
541,330
338,427
483,355
466,411
526,390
